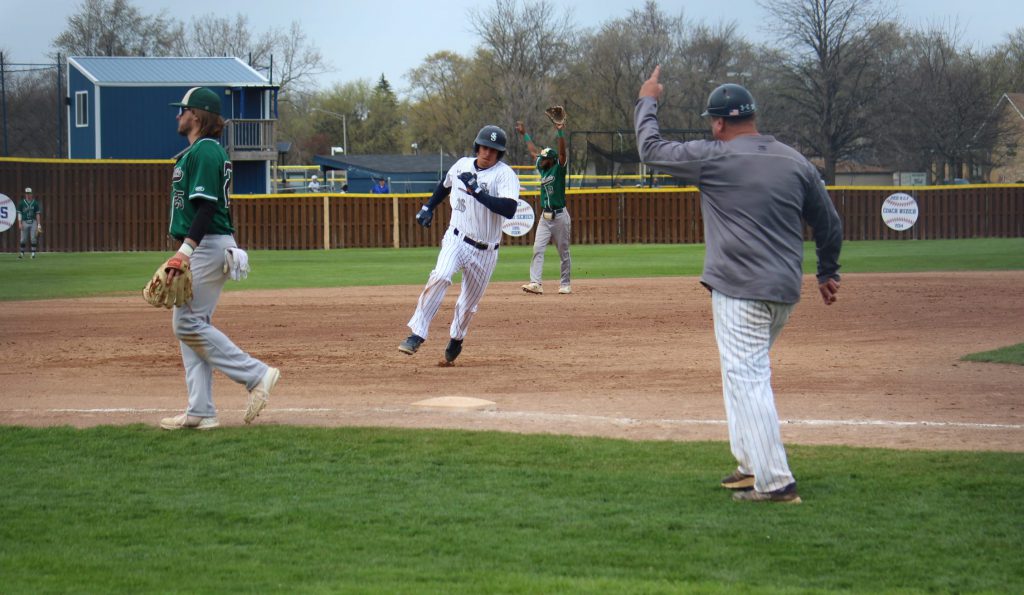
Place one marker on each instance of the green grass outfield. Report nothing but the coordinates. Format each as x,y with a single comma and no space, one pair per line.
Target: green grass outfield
55,275
272,509
310,510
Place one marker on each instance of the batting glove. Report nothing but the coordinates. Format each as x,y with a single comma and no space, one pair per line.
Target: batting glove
469,179
425,217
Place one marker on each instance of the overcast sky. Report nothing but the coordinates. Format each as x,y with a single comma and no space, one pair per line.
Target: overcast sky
364,39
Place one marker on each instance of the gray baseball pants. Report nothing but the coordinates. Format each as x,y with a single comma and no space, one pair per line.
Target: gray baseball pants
557,230
203,347
29,233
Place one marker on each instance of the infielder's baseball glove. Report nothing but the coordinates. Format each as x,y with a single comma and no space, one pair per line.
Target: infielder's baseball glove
556,114
161,294
39,229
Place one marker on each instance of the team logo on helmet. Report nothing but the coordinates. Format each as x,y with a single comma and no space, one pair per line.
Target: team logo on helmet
494,136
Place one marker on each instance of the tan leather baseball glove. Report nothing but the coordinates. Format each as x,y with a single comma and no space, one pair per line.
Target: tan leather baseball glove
161,293
556,114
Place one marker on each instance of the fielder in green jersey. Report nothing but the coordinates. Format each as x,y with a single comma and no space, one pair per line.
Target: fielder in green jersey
30,222
554,224
201,221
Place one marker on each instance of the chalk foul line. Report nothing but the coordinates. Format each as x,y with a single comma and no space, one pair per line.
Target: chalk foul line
573,417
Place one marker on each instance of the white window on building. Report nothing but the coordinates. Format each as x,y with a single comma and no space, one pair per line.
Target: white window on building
81,109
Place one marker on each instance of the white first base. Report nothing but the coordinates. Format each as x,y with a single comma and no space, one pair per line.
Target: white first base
463,403
8,212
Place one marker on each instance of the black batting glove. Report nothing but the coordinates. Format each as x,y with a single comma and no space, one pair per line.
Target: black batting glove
469,179
425,217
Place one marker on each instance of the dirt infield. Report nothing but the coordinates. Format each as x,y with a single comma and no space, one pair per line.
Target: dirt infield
630,358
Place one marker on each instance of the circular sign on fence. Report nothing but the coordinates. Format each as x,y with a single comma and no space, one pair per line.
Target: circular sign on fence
899,211
522,222
8,213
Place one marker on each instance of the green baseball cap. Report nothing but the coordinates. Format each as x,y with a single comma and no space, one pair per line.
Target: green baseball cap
200,98
549,153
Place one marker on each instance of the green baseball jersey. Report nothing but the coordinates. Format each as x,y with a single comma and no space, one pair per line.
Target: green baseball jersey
552,186
28,209
203,172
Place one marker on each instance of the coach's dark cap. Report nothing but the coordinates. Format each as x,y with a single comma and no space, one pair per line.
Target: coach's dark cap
200,98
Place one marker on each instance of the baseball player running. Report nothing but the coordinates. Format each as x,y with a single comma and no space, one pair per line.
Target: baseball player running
756,194
201,221
482,191
555,223
30,222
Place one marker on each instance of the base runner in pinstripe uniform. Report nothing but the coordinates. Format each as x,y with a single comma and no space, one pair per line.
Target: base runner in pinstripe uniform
482,192
756,194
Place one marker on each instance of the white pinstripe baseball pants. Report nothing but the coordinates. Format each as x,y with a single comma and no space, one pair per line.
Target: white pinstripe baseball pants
745,331
476,265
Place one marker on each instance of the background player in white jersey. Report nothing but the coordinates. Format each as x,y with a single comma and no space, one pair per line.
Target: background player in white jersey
756,194
482,192
201,221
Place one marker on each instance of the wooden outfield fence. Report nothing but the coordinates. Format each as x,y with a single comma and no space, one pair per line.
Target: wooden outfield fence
123,206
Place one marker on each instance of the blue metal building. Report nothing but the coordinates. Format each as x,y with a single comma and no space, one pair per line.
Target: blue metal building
118,109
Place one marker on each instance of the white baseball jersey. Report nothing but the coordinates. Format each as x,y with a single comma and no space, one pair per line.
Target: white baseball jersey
471,224
468,215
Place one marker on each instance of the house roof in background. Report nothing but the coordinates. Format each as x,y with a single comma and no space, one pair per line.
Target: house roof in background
186,72
1016,101
388,164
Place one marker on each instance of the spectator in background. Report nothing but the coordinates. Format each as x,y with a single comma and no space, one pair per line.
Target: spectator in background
381,187
314,184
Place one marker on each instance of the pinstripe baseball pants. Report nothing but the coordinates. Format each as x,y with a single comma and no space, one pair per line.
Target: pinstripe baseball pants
745,331
476,265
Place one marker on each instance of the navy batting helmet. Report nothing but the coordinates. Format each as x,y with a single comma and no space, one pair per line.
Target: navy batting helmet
730,101
491,136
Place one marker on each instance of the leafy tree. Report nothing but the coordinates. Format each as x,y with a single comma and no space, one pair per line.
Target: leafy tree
383,121
442,112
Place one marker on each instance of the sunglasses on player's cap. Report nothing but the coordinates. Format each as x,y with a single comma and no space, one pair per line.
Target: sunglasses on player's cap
200,98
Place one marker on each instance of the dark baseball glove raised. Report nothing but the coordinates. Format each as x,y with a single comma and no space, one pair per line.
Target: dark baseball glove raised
556,114
160,292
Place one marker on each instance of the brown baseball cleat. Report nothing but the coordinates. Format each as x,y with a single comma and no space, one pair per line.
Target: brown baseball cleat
786,495
738,481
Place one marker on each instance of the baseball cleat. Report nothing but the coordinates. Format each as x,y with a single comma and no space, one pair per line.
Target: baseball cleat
786,495
565,289
738,481
411,344
189,422
533,288
259,395
453,350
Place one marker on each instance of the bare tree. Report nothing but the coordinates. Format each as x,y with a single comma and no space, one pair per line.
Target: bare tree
210,35
947,95
834,76
117,28
525,48
297,61
615,59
